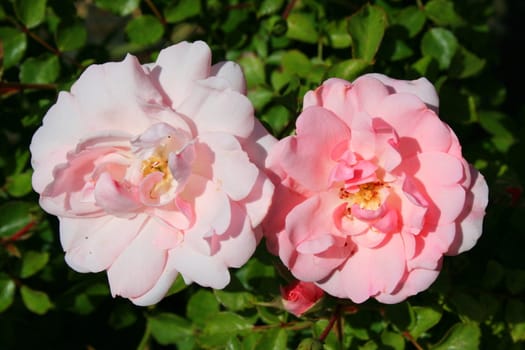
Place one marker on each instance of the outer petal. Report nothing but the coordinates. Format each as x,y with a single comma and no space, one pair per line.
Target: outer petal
139,267
471,219
372,271
307,157
93,244
231,166
421,87
214,107
179,66
232,72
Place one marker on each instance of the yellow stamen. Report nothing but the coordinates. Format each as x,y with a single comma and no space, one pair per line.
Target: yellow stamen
368,196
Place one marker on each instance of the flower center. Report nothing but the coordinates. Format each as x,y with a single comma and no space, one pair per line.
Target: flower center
366,197
158,162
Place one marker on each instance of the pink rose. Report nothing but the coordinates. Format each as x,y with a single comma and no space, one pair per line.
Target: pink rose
155,170
300,297
374,190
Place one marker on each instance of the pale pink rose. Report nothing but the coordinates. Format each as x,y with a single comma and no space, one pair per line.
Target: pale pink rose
155,170
300,297
374,190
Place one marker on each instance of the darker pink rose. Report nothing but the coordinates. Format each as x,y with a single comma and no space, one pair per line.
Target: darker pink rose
373,190
300,297
155,170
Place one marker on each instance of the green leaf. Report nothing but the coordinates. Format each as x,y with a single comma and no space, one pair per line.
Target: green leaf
467,305
253,68
144,30
122,316
120,7
202,306
30,12
296,62
348,69
493,123
20,184
7,292
32,262
177,286
399,315
462,336
514,315
235,301
269,7
440,44
338,36
14,43
178,11
310,344
40,70
71,37
391,340
168,328
222,326
424,319
442,13
277,117
302,27
260,97
367,27
465,64
273,339
412,19
14,216
35,301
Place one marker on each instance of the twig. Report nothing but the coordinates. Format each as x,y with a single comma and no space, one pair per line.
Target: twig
156,12
288,9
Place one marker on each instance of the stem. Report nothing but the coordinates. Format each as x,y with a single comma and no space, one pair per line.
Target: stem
288,9
156,12
335,318
6,87
411,339
42,42
16,236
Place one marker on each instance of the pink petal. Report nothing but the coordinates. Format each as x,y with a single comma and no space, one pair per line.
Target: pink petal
93,244
114,197
421,87
416,281
179,66
306,157
232,72
208,271
218,109
232,168
372,271
471,218
138,268
238,243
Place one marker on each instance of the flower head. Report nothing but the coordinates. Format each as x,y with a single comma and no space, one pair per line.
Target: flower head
373,190
155,170
299,297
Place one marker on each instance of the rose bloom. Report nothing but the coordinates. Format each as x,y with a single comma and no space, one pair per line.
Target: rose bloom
300,297
155,170
374,190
